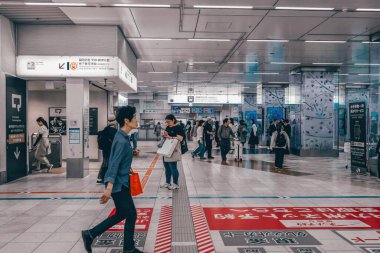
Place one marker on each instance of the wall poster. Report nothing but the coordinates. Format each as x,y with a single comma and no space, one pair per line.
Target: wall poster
358,137
57,120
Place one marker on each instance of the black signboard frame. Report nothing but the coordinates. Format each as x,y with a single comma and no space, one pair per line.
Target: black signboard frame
358,137
93,124
16,133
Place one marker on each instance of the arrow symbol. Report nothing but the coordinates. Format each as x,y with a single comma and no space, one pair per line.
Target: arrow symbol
17,153
62,66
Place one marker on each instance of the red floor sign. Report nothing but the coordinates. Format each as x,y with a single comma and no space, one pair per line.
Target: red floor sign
259,218
144,216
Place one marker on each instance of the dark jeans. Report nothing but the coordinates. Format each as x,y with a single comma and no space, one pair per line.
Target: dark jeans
225,146
171,170
209,148
279,157
125,209
103,168
200,150
378,166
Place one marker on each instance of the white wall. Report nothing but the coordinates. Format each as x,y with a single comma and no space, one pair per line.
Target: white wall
40,101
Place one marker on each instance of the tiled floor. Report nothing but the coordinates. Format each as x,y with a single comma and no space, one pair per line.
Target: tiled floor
46,212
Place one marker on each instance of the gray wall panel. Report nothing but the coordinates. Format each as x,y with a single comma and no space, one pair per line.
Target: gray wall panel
67,40
126,54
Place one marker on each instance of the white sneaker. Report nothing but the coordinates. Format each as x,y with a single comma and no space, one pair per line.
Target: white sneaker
166,186
174,186
49,168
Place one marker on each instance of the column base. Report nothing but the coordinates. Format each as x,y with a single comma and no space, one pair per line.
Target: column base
77,167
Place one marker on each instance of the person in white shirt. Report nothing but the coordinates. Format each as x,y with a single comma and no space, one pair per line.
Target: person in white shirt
42,145
201,143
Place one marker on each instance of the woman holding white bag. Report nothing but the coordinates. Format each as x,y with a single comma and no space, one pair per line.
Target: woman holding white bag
173,131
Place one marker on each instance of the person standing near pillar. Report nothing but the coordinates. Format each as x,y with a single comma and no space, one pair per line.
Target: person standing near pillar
208,135
118,185
279,142
105,139
288,131
378,157
42,145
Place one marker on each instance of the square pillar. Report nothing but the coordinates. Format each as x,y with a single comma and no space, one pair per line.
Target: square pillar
77,101
314,114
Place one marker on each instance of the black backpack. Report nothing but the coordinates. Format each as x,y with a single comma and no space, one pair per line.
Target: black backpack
280,140
102,140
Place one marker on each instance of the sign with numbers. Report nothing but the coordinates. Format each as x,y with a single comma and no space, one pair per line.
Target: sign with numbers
245,218
144,216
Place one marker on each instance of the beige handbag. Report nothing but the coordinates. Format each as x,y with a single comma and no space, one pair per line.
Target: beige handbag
176,156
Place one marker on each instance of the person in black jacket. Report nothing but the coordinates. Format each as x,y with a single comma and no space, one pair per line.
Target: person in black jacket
108,134
288,131
378,158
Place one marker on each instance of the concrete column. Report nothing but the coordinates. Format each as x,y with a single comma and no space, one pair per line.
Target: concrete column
77,101
3,142
315,118
273,101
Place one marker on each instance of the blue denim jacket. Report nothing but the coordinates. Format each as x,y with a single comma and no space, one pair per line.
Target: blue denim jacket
120,162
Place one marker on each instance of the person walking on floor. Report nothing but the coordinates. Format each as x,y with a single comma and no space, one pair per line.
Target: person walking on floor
117,184
157,130
173,131
42,145
288,131
253,138
279,142
378,157
208,136
188,130
217,140
201,143
225,134
105,139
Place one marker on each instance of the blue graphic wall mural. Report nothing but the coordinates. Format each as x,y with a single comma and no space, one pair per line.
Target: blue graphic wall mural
318,110
274,97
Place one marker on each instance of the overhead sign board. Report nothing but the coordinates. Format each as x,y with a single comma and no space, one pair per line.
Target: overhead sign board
205,99
75,66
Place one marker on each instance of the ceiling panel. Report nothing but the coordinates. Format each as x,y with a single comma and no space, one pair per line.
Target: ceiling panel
290,13
227,23
229,2
332,3
346,26
285,27
35,15
233,12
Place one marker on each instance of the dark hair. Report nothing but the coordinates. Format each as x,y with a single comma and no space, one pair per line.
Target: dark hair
125,112
279,127
201,122
232,121
171,117
253,121
241,122
40,119
225,120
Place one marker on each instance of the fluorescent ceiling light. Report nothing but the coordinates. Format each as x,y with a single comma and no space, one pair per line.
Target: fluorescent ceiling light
162,81
367,9
368,74
194,72
55,4
251,82
325,41
143,5
152,72
266,73
161,86
363,83
341,74
232,73
200,62
156,61
148,39
268,40
278,82
222,7
327,63
304,8
371,42
286,63
209,39
367,64
242,62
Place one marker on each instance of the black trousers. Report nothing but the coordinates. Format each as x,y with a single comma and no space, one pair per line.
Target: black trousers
279,157
378,166
209,148
103,168
125,209
225,146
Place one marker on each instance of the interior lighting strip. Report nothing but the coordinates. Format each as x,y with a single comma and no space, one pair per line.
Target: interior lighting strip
268,40
222,7
142,5
325,41
209,40
304,8
55,4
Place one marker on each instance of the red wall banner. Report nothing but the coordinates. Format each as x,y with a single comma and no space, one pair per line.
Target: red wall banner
259,218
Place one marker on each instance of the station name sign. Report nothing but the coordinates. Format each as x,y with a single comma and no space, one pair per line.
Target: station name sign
205,99
75,66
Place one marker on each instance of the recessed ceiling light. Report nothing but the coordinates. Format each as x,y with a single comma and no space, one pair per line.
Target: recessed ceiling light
194,72
325,41
266,73
367,64
367,9
143,5
371,42
363,83
268,40
243,62
149,39
56,4
153,72
327,63
222,7
341,74
368,74
285,63
209,40
304,8
156,61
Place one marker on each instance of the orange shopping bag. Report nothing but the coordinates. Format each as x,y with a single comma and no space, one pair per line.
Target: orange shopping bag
134,183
